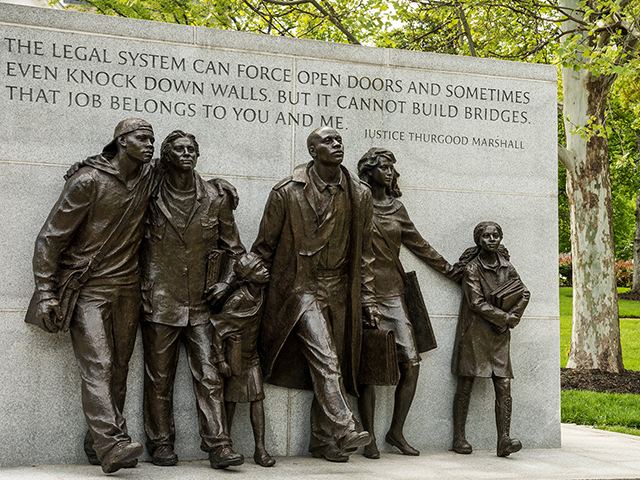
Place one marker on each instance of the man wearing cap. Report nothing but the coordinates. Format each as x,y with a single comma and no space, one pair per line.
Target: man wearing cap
315,236
100,215
188,220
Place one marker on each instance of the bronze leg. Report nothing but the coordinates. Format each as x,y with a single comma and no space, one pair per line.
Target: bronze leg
460,410
367,407
405,392
260,455
506,445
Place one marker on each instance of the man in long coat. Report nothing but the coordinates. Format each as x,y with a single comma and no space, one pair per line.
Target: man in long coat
315,236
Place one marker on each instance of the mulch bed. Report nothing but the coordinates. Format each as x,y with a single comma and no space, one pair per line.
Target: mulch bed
629,296
599,381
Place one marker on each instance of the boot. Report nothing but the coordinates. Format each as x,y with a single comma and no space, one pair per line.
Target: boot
460,410
506,445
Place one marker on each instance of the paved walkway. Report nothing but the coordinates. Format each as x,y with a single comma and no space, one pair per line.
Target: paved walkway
586,454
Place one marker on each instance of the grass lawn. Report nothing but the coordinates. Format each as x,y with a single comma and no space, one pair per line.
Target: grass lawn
607,411
629,328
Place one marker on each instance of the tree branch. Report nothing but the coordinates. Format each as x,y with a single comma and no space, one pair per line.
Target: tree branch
332,18
467,30
567,158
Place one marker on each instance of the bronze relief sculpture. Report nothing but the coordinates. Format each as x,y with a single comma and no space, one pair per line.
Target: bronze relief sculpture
85,266
236,328
494,299
188,220
393,228
315,238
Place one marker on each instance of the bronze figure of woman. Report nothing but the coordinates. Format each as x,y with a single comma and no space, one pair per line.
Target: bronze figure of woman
493,301
391,229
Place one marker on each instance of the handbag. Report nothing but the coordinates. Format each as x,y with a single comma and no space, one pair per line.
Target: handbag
379,358
414,301
69,288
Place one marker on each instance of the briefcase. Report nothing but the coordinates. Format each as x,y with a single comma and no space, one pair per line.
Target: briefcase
418,315
67,295
379,358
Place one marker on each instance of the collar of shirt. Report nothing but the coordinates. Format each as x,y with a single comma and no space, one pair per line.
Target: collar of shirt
321,185
502,263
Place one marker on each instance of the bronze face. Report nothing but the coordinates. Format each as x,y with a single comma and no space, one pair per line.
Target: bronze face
490,239
182,154
382,175
259,275
138,145
326,147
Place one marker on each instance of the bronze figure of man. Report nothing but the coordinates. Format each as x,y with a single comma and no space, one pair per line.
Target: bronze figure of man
315,237
188,220
93,233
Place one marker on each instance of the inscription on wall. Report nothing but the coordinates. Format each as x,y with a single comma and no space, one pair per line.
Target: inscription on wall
214,86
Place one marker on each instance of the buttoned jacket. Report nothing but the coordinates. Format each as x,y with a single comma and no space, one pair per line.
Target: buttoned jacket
289,240
174,263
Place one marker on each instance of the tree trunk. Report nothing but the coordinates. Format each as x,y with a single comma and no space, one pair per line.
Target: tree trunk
595,338
636,238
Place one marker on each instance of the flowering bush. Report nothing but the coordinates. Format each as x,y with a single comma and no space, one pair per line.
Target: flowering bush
624,273
565,269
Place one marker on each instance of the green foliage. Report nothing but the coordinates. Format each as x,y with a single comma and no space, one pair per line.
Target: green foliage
565,269
609,410
336,21
624,273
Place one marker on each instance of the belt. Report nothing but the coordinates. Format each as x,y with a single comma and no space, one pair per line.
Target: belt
322,273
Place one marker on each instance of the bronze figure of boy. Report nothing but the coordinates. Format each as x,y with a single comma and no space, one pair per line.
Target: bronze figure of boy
90,243
493,301
239,321
315,237
188,219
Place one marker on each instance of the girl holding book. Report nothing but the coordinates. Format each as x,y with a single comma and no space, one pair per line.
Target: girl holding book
493,301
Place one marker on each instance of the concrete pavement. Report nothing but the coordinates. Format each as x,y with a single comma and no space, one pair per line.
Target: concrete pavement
586,453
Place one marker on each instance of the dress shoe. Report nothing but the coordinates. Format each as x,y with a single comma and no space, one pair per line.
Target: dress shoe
223,457
331,453
164,456
401,444
353,439
262,458
119,455
371,451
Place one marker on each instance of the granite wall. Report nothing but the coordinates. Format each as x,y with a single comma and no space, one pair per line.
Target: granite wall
475,140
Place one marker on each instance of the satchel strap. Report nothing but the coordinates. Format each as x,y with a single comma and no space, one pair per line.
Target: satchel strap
115,233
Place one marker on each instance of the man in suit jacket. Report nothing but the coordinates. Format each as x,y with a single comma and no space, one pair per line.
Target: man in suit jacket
315,236
188,219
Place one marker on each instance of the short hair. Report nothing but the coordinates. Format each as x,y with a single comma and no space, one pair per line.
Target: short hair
315,135
173,136
371,160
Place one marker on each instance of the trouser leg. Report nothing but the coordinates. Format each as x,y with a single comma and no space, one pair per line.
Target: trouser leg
460,410
207,386
126,314
93,338
331,415
161,350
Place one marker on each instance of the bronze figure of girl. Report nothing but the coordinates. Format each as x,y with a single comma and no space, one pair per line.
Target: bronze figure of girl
391,229
493,301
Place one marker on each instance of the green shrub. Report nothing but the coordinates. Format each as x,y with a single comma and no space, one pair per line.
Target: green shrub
565,269
624,273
